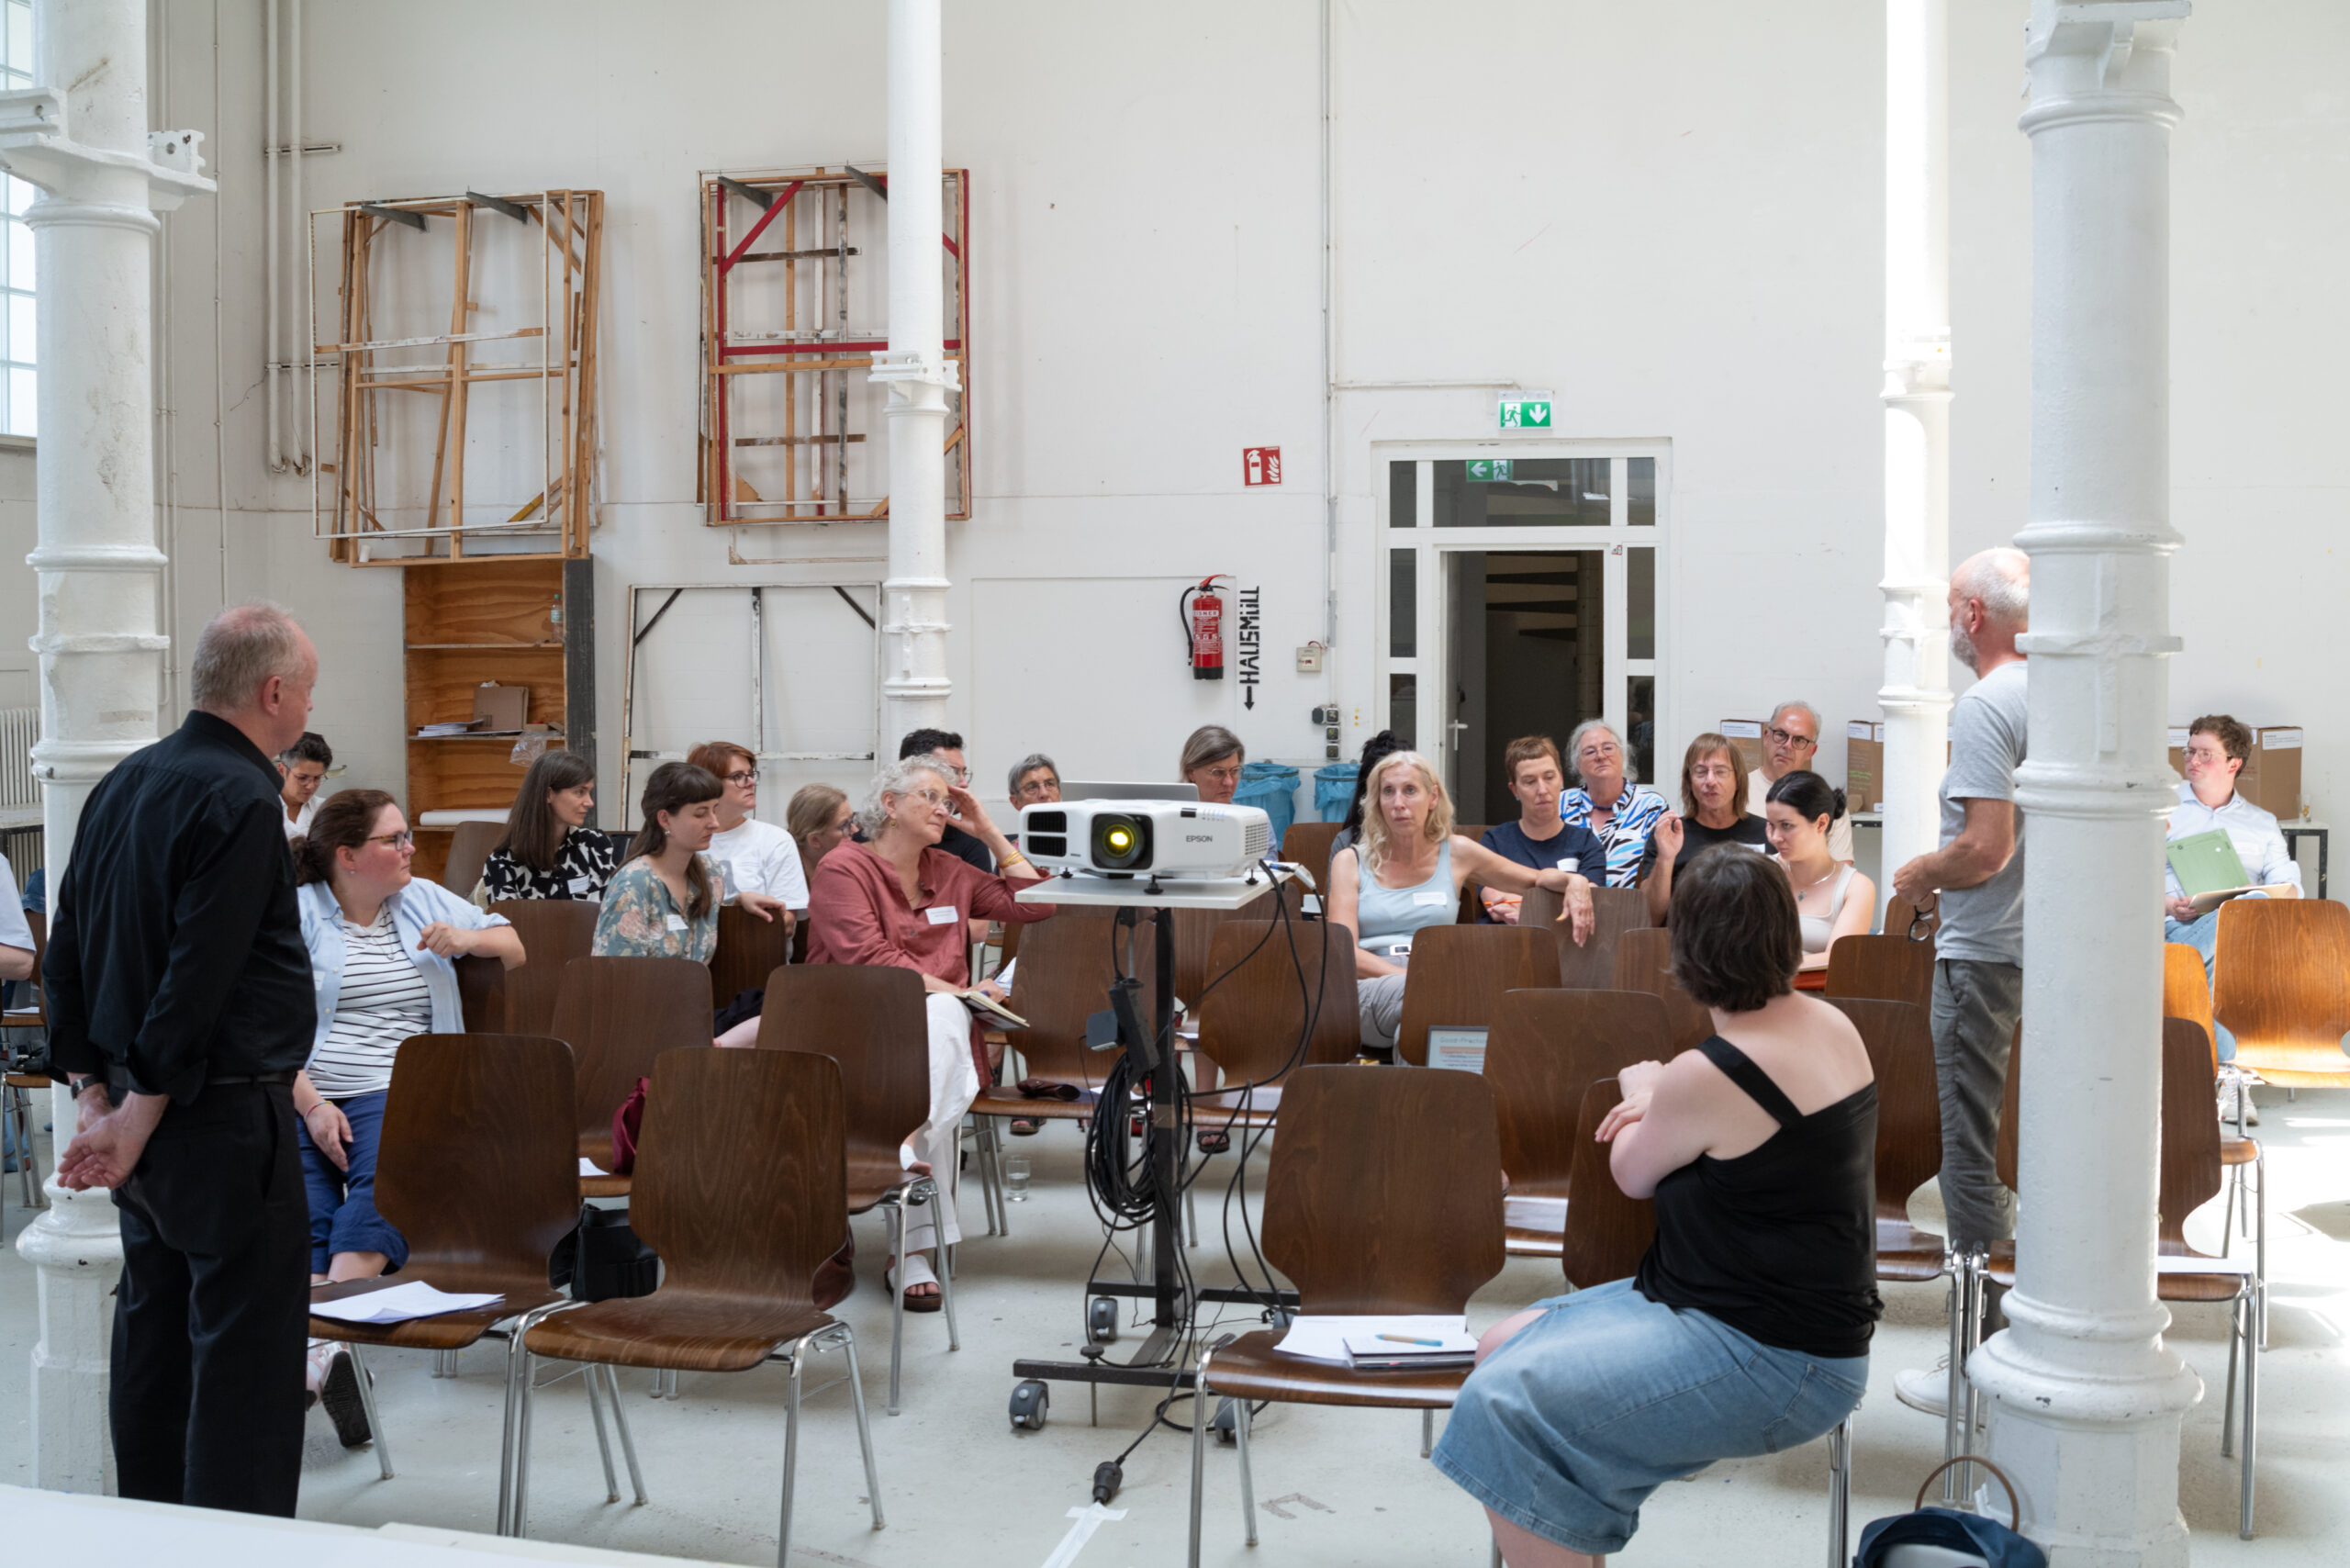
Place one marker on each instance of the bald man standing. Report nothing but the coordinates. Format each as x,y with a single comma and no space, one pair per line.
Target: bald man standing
180,1008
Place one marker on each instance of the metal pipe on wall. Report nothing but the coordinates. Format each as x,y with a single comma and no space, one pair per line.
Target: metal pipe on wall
295,213
276,303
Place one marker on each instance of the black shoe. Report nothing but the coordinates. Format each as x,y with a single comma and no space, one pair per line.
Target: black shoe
341,1397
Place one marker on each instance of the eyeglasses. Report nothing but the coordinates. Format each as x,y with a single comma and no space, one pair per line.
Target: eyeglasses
745,776
401,840
1789,737
932,796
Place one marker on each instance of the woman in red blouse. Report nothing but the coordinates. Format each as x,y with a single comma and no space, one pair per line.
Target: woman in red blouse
897,899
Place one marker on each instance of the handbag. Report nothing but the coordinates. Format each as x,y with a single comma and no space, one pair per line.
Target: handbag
628,1124
603,1258
1945,1538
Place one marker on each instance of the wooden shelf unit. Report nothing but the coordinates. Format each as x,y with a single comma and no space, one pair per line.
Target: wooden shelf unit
484,619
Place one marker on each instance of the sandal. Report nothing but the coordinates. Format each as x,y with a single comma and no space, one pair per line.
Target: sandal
1214,1142
1025,1127
918,1273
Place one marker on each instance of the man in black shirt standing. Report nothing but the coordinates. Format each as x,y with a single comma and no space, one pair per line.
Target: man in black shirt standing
180,1007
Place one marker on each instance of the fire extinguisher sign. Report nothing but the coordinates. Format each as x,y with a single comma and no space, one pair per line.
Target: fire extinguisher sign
1260,465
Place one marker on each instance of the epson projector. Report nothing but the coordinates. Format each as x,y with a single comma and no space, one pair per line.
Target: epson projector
1182,839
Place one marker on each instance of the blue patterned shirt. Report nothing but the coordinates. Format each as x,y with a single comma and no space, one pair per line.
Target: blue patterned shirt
1626,836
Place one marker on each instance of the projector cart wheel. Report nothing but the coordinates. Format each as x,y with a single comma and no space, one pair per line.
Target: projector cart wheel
1030,1400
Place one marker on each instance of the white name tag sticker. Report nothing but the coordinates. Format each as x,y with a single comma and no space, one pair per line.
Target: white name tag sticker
581,886
1463,1051
1432,898
1569,862
676,923
941,914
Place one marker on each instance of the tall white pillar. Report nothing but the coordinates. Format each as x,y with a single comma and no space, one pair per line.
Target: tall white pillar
1916,695
919,376
103,175
2086,1398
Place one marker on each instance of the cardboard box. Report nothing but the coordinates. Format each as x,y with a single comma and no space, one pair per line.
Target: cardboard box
1746,735
1863,766
2271,777
500,706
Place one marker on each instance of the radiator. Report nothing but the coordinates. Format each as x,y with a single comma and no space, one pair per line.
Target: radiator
20,835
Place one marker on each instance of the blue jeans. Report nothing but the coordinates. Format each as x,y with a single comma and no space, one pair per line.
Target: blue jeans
2203,935
1567,1428
342,1203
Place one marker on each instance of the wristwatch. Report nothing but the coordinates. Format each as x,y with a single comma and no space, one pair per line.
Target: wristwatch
77,1085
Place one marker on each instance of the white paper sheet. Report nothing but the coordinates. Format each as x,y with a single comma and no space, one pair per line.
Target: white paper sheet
1463,1051
1325,1339
1535,1214
400,1303
589,1167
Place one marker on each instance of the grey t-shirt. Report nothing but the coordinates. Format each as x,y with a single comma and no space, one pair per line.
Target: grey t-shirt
1987,745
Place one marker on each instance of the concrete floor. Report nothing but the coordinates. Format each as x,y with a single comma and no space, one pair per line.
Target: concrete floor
1333,1486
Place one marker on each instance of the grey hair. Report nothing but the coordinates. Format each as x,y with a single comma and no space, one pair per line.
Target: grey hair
1574,745
898,779
1025,767
241,647
1805,708
2001,578
1209,743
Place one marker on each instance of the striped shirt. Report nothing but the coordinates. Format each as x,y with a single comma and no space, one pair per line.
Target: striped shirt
1626,834
382,1000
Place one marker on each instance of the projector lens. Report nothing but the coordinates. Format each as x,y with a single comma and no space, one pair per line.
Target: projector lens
1119,844
1120,839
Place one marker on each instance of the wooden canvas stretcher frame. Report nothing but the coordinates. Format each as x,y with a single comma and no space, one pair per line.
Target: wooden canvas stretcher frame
820,363
378,235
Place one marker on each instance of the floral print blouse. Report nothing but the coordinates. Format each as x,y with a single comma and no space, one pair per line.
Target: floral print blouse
582,866
640,920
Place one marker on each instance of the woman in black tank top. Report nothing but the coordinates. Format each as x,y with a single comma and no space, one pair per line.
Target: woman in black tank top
1746,1329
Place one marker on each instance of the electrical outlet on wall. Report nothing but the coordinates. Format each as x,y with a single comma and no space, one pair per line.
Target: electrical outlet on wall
1309,659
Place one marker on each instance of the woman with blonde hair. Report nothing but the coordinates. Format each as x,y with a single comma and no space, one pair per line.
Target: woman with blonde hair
819,818
1406,871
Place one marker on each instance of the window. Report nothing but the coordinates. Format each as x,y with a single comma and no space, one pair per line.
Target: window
16,331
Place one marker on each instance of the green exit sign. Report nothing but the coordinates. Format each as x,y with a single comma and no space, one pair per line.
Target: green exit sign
1531,412
1489,470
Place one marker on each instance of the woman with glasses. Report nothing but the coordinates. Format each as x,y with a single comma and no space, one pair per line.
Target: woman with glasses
1714,811
1608,800
550,850
757,857
896,898
382,947
1213,758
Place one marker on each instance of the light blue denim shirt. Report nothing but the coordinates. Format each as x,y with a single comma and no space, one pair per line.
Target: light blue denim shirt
414,907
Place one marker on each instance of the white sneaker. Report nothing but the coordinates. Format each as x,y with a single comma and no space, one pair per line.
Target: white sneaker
1925,1388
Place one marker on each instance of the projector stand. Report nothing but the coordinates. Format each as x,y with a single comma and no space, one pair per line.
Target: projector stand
1155,1365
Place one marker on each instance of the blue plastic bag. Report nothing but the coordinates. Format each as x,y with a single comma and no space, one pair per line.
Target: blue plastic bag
1334,790
1980,1538
1273,787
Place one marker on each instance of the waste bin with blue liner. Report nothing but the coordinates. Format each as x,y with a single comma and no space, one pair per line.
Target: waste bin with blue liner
1334,790
1272,787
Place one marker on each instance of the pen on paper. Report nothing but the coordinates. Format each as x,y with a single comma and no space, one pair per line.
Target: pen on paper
1408,1339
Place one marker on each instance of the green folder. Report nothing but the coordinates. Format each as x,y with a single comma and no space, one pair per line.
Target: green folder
2206,863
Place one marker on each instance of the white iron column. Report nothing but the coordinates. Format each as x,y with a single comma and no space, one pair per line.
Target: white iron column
919,376
2087,1398
86,145
1916,696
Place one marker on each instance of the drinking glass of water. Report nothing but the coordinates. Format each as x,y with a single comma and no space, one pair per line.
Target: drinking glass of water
1015,1177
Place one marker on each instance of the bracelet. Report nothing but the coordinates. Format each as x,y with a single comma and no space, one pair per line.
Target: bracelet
1014,859
305,1115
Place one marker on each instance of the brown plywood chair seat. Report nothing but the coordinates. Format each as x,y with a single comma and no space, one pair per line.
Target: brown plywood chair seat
1307,844
1066,968
1383,1196
2280,978
1891,968
1254,1022
1909,1129
749,949
469,849
1644,962
619,1015
1458,975
475,1169
1592,965
1545,1049
740,1188
1195,932
554,932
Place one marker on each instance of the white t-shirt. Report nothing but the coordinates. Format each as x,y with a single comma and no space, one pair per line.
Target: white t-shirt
761,857
15,930
299,824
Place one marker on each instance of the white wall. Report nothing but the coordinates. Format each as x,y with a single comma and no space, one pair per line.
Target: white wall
1676,221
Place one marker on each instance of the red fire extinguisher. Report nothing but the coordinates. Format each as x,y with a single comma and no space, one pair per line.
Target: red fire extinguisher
1201,613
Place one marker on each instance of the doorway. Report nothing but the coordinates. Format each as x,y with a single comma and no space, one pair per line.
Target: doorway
1520,599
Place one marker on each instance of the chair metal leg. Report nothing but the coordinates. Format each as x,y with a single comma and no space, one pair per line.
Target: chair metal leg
628,1441
1962,1294
946,1275
1202,1404
2256,1315
790,1452
522,1447
1840,1493
1248,1482
1497,1554
1192,1216
506,1437
897,1283
2260,1238
375,1420
864,1429
1427,1431
2228,1405
595,1383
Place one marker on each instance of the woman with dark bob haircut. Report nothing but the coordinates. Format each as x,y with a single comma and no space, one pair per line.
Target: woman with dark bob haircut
1747,1328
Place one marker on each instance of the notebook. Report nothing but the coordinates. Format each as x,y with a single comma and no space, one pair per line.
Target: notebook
2209,870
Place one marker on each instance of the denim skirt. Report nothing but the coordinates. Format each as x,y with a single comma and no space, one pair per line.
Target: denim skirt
1576,1418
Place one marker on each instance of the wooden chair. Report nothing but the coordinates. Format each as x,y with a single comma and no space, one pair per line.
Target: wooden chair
2189,1178
469,849
1385,1197
1546,1048
1458,976
1892,968
1472,903
1195,932
1066,968
1590,967
871,1019
520,1001
15,1088
742,1189
1252,1022
2188,994
1908,1130
619,1015
1644,962
476,1170
1607,1233
749,949
1902,919
1308,845
2280,982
